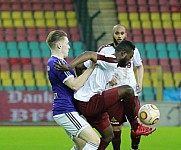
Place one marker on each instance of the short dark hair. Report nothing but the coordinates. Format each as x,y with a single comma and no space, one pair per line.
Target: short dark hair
55,36
125,45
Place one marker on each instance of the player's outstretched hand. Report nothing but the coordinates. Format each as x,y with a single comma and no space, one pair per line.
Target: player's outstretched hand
60,66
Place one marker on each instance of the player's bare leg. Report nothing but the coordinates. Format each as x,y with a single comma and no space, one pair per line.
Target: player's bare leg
127,94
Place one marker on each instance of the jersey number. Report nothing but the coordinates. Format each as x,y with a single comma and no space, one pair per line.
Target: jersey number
129,65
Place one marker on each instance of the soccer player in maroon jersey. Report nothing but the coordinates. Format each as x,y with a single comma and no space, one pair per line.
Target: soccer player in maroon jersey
123,76
93,100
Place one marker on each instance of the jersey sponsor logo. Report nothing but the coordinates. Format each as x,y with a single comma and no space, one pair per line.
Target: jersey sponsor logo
114,121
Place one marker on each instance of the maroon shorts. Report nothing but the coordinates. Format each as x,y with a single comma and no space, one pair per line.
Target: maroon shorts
117,114
95,110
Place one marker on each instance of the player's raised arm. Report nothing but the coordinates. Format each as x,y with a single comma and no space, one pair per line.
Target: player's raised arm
78,60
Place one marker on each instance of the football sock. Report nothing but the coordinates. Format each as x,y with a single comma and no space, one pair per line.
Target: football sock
103,145
90,146
130,111
135,140
116,142
74,148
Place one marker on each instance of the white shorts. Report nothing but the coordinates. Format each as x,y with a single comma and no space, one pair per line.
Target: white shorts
72,123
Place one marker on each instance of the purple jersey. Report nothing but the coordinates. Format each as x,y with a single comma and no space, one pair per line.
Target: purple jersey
63,95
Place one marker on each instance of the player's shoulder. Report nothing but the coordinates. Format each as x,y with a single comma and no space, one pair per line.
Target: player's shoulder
106,46
136,50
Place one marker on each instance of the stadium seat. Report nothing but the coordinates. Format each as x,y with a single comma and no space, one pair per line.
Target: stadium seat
167,24
134,16
164,62
41,82
175,62
176,24
153,61
15,68
155,16
170,39
149,39
147,32
164,9
24,53
4,61
23,45
168,83
40,23
150,46
5,7
144,17
51,23
161,46
143,8
175,16
5,74
154,8
45,51
29,23
159,39
60,15
7,82
162,54
36,61
151,54
35,49
18,82
27,15
36,7
30,82
156,24
38,15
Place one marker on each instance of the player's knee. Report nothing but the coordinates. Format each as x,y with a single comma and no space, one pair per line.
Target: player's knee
125,91
96,141
129,90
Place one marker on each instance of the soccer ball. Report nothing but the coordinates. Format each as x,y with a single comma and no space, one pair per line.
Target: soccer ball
149,114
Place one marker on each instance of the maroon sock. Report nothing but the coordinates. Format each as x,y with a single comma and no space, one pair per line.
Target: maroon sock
130,110
116,142
103,145
135,140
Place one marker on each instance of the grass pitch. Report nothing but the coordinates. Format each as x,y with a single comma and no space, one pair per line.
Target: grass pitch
54,138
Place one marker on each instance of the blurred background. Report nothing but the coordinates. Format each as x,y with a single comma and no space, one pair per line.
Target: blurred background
153,25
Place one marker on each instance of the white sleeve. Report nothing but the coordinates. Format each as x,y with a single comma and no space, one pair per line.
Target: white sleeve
108,62
137,61
87,63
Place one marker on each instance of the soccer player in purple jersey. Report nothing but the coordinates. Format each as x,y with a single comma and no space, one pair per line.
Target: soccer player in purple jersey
93,100
64,83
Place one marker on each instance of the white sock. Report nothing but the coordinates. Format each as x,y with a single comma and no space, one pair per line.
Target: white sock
73,148
90,146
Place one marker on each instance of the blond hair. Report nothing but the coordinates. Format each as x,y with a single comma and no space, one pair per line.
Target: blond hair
55,36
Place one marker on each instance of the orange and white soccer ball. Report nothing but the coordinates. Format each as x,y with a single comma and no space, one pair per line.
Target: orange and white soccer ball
149,114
